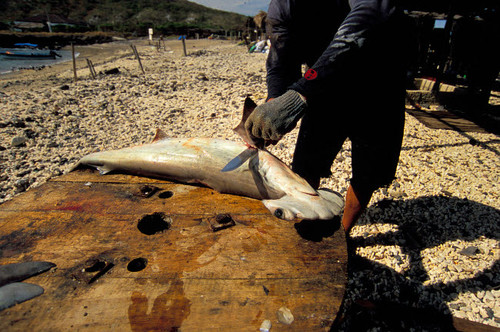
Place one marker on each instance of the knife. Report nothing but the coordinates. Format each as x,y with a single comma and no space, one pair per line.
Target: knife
18,292
19,271
239,159
12,291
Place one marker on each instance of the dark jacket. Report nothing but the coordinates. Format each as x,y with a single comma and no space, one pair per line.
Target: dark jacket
343,42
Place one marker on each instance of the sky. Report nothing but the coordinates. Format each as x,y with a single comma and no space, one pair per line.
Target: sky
245,7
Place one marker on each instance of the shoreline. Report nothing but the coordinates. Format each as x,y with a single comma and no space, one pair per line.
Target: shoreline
95,52
100,54
38,64
412,239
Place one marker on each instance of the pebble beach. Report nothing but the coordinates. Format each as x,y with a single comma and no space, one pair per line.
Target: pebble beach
429,240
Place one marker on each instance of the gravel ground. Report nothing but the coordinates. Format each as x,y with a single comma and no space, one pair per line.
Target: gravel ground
429,240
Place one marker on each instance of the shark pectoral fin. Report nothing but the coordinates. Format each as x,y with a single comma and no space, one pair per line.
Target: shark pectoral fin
103,170
18,292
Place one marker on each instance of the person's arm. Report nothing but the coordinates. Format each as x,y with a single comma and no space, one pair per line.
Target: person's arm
356,32
283,63
276,118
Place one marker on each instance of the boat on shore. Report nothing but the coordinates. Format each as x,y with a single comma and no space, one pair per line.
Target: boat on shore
28,51
29,55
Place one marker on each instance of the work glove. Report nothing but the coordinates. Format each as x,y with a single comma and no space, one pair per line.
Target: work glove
272,120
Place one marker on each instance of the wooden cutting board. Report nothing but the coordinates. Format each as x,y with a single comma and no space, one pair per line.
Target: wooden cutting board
141,254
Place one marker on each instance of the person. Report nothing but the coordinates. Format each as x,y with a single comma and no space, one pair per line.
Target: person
354,88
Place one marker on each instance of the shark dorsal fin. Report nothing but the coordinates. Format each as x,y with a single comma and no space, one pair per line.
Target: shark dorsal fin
240,128
160,134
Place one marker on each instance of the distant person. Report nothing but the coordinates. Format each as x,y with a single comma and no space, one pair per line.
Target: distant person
354,88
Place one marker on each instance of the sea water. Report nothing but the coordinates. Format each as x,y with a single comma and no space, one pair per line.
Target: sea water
7,65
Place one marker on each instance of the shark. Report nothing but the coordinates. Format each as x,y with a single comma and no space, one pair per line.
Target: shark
199,160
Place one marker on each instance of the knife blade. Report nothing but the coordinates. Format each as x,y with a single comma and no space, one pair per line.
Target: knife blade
239,159
18,292
20,271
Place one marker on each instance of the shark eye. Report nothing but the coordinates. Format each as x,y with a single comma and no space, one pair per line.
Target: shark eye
279,213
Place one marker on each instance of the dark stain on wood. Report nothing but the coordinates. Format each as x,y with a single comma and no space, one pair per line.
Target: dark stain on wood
19,241
168,312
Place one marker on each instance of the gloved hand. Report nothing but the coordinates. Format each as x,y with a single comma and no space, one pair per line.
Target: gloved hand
272,120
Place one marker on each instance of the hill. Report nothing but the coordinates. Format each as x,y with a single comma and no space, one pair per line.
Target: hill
127,15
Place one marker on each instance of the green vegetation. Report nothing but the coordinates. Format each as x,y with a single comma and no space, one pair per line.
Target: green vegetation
127,16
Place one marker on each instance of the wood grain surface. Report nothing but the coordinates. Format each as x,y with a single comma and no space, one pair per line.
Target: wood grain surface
142,254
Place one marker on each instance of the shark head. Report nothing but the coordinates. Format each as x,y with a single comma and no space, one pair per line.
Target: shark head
289,195
326,205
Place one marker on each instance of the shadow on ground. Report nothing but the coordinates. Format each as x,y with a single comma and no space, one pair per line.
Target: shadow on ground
380,297
466,106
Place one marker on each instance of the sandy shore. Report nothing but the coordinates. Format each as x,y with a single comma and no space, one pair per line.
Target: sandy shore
431,239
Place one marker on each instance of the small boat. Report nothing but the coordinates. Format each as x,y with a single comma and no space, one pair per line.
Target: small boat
28,51
31,54
26,45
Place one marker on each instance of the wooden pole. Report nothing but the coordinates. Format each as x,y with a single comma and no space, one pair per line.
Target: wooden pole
161,43
137,57
184,45
93,68
74,60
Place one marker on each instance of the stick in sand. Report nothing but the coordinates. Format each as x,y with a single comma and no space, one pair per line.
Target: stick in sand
183,38
137,57
91,69
74,60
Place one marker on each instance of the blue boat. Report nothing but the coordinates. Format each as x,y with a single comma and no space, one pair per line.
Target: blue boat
26,45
